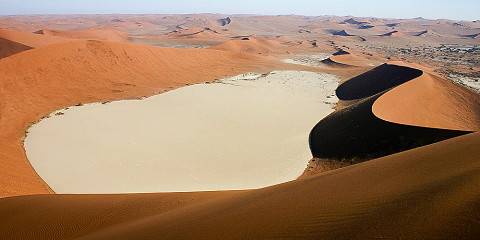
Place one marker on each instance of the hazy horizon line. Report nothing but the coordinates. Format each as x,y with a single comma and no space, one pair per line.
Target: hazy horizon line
229,14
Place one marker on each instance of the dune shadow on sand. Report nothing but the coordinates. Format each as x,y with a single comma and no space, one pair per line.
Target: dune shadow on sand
356,133
377,80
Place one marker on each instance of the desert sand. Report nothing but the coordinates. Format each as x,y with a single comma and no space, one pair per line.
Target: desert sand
351,203
13,42
233,134
408,107
92,34
403,135
62,75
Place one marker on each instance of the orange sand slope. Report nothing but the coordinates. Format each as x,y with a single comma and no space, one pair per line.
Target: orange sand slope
407,107
418,97
62,75
430,101
392,197
29,39
342,58
12,42
196,32
92,34
252,45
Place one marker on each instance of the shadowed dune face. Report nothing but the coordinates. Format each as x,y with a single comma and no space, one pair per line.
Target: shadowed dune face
375,81
389,34
339,33
420,109
330,62
224,21
8,48
421,33
355,133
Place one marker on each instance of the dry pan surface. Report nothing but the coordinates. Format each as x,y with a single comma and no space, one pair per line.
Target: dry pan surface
243,132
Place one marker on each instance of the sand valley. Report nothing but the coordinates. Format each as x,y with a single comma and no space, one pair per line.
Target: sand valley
232,134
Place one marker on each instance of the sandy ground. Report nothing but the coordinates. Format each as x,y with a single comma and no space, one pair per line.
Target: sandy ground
62,75
469,82
308,60
233,134
429,192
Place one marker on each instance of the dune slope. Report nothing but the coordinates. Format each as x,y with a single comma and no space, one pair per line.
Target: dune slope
83,214
356,134
375,81
251,45
430,192
92,34
8,48
29,39
430,101
62,75
400,108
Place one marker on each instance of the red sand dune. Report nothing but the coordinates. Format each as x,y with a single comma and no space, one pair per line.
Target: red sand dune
29,39
394,196
406,107
252,45
92,34
430,101
430,192
196,33
375,81
345,59
61,75
354,60
8,48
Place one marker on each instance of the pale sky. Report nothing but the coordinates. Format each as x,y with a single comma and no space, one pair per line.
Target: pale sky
432,9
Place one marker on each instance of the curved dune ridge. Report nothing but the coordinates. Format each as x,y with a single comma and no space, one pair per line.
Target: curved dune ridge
343,58
195,32
410,189
92,34
30,39
375,81
13,42
62,75
430,101
407,107
251,45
